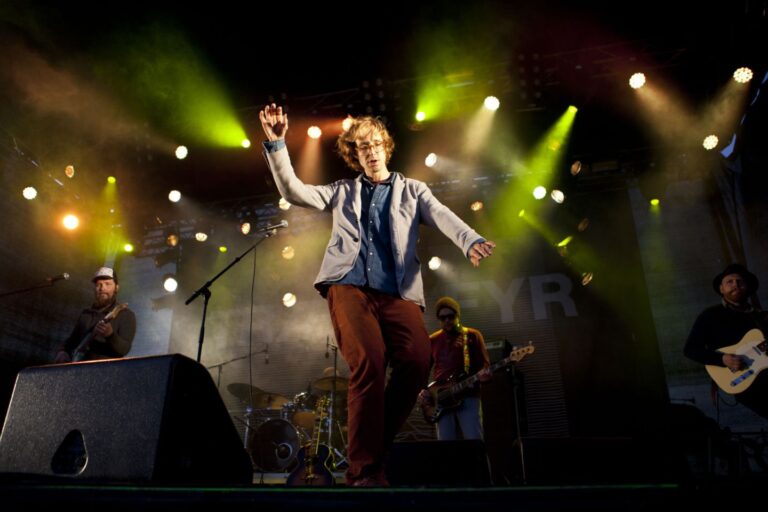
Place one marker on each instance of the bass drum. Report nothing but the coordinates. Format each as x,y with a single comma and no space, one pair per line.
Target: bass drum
274,445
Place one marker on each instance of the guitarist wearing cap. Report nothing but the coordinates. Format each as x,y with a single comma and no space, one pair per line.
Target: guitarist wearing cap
456,350
103,331
729,338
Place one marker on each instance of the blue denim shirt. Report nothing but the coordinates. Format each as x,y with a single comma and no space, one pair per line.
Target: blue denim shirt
375,264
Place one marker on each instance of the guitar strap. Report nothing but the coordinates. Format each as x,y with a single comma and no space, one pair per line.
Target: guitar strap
464,332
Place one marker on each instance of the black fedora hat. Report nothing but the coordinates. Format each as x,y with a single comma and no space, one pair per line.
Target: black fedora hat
735,268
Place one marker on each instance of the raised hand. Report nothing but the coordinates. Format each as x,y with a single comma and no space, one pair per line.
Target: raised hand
480,250
274,122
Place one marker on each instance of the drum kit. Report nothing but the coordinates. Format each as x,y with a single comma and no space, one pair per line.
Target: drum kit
276,427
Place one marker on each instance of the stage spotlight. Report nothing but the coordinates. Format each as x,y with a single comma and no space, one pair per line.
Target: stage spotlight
655,201
539,192
346,124
575,168
29,193
182,152
289,300
170,284
69,171
557,196
314,132
420,116
201,236
172,240
742,75
222,249
111,180
288,252
245,227
491,103
476,206
710,142
245,143
70,221
434,263
586,278
431,160
128,247
174,196
283,204
637,80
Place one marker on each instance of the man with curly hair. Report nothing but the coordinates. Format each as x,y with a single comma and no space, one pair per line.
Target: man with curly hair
371,277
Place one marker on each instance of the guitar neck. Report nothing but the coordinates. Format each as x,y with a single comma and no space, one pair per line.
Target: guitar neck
515,356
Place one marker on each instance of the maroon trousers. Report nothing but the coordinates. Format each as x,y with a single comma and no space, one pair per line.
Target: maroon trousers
374,330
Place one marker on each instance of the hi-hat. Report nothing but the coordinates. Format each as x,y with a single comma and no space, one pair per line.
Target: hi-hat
326,384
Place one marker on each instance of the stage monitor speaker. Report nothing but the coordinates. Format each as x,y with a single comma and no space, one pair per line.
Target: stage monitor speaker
462,463
147,419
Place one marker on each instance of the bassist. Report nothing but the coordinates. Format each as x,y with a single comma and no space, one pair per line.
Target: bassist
725,325
97,338
458,350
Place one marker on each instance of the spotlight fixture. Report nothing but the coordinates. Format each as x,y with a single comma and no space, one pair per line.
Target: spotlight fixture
637,80
289,300
742,75
29,193
710,142
170,284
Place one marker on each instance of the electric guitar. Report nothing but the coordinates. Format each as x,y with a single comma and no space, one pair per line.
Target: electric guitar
441,397
82,349
751,348
314,457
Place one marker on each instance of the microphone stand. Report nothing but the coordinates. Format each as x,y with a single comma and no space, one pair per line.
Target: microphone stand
49,282
206,292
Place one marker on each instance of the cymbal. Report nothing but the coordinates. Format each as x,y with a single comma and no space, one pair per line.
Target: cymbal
243,391
261,399
326,384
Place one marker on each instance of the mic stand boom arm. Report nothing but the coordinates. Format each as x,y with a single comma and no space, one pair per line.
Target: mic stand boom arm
206,292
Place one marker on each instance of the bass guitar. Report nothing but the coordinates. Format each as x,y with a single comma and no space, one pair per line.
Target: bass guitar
441,397
314,457
82,348
751,348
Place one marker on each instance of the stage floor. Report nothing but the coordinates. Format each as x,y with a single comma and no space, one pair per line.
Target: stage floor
25,493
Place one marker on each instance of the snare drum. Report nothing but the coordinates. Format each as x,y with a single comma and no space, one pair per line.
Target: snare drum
274,445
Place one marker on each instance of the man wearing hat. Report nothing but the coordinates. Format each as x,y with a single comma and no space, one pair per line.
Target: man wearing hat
726,324
107,339
458,350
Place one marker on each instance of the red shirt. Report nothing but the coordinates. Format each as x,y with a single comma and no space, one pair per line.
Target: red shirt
448,353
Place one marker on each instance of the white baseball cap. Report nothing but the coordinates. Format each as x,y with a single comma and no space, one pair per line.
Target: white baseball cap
104,273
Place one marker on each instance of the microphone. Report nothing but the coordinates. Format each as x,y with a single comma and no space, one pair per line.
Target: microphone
282,224
266,354
59,277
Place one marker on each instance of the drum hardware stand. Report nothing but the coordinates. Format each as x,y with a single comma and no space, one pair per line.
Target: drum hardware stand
339,457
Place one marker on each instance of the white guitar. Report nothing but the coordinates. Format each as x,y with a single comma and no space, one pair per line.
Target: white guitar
751,348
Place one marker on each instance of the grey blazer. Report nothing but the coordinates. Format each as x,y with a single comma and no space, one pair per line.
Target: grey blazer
412,204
